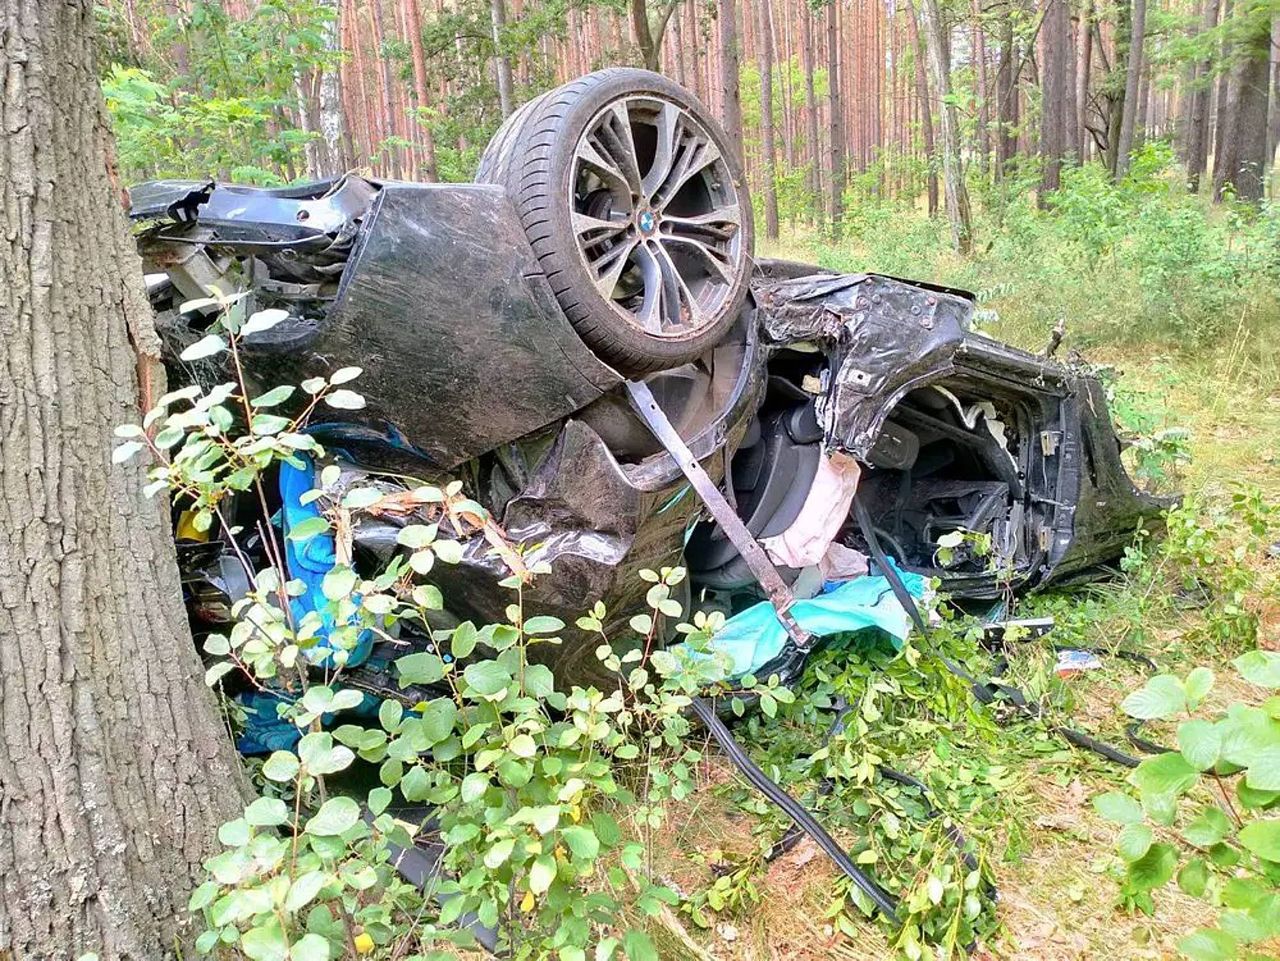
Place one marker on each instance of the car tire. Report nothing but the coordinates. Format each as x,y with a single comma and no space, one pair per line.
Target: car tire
638,212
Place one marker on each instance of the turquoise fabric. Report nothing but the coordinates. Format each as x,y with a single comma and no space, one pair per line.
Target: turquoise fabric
753,637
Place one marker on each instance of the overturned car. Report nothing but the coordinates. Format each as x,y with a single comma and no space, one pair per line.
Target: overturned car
512,331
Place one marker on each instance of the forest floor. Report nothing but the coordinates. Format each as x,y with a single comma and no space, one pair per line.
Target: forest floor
1052,856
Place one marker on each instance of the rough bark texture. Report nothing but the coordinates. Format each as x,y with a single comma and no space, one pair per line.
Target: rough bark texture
502,62
730,95
1244,145
1132,88
768,152
926,113
332,160
114,766
837,127
1201,103
811,108
957,196
1055,46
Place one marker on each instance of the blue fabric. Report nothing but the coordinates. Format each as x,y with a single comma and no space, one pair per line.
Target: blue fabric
264,729
309,561
753,637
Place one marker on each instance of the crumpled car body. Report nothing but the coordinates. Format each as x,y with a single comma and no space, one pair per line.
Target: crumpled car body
828,387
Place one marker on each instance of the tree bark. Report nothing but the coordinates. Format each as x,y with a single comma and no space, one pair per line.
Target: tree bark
731,98
957,196
1132,87
332,161
1055,47
837,127
926,114
501,61
1244,159
115,769
811,108
768,150
1007,97
421,96
1084,69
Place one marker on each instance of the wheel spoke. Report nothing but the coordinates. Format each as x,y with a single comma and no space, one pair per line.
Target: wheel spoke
608,267
682,307
614,135
593,230
651,309
670,129
695,156
715,258
607,169
719,224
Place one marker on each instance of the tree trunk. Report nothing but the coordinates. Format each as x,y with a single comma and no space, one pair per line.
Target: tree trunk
1132,87
768,151
957,196
1244,159
384,85
421,96
811,108
1007,97
1055,47
115,769
1084,68
1221,121
926,114
332,161
501,61
837,128
731,98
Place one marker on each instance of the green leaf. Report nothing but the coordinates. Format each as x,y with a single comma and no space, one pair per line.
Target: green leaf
379,798
582,841
204,347
280,766
263,320
463,640
419,668
1262,838
304,888
1134,841
1208,944
1200,743
345,374
1264,770
522,745
473,787
416,784
338,583
498,853
1155,868
310,947
1162,696
1118,807
542,873
543,624
124,451
1260,667
266,812
344,400
486,677
276,395
438,718
638,947
1194,877
336,816
1164,777
1208,828
266,424
358,498
266,942
1198,683
417,536
307,529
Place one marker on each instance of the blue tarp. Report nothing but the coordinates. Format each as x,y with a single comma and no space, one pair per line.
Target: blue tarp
309,561
753,637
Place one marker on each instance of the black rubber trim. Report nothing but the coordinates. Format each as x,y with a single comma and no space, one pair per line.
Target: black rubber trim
881,898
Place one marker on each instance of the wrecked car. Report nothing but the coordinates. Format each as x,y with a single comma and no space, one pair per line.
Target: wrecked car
503,327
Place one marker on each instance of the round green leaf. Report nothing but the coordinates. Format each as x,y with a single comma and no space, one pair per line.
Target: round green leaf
1134,841
1262,838
336,816
1118,807
1207,944
1200,742
266,812
486,677
1162,696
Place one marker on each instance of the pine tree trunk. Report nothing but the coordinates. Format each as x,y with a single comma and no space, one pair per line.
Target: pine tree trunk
501,62
811,109
115,769
926,113
1055,46
1084,69
731,99
957,195
1006,97
836,172
1243,162
332,161
768,150
421,95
